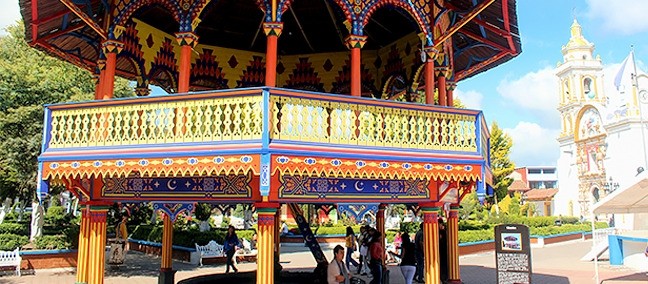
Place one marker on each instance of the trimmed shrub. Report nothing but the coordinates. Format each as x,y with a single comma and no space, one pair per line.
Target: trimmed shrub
476,236
52,242
10,242
468,225
14,228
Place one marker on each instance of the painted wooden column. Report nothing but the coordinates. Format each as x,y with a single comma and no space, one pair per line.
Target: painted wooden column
355,44
454,276
84,247
430,55
166,265
441,86
451,87
97,244
187,41
380,225
265,242
431,243
110,48
100,77
272,31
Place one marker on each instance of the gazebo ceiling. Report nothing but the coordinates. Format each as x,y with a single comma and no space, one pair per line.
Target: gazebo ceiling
487,40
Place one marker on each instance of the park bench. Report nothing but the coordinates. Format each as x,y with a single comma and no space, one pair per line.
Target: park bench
11,258
210,250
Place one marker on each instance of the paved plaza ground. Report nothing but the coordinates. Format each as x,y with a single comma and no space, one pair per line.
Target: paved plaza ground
553,264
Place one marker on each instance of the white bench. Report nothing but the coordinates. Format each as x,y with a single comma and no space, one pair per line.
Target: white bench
210,250
11,258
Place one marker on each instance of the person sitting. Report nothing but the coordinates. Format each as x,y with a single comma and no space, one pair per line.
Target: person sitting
337,272
284,229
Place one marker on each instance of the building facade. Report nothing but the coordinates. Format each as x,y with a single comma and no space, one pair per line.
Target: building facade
602,143
537,185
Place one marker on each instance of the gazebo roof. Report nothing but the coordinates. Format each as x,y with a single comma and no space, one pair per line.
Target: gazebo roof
487,40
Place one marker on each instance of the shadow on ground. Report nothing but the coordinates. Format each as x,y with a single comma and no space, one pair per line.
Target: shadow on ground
472,274
637,277
285,277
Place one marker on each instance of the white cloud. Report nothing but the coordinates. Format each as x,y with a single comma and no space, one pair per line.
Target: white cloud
471,99
623,16
533,145
534,91
9,14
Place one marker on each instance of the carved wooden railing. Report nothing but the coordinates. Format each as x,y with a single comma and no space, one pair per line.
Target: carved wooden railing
238,115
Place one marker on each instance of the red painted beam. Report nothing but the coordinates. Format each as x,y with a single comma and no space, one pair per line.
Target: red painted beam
507,24
465,73
478,9
486,41
84,17
34,14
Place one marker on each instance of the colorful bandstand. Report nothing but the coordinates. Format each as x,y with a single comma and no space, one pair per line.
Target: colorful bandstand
345,102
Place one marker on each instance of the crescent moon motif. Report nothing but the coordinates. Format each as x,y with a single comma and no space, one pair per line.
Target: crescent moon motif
359,186
170,186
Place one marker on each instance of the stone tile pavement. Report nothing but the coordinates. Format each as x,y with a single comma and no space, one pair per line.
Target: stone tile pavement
553,264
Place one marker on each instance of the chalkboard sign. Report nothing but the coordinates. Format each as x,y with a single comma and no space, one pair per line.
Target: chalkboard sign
513,254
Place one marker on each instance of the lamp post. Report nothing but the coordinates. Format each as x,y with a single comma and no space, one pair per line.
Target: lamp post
610,186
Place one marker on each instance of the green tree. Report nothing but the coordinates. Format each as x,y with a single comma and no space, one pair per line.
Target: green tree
469,207
29,79
501,164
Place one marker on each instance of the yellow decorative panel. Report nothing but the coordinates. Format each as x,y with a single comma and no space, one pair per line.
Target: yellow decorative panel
201,120
352,123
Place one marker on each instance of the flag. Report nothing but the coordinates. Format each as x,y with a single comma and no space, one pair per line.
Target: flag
624,75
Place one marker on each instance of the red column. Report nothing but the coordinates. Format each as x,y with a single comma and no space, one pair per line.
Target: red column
431,243
430,55
97,244
265,242
187,41
452,230
101,66
441,85
84,247
110,48
272,31
355,43
451,87
166,264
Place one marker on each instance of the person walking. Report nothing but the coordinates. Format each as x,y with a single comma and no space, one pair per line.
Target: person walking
420,255
351,246
408,258
364,251
443,251
337,272
377,254
231,242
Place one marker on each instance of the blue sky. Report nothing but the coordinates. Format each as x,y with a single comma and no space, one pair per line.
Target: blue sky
522,94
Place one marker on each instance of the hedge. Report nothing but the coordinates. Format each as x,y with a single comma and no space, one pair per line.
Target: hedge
9,242
14,228
52,242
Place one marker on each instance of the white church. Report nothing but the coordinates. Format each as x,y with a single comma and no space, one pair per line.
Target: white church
602,143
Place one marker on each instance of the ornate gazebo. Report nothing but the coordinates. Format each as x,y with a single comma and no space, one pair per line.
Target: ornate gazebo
344,102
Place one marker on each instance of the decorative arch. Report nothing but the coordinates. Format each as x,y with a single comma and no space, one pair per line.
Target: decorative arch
158,72
128,8
588,123
414,10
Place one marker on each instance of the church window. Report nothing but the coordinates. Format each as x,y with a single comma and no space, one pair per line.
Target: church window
587,85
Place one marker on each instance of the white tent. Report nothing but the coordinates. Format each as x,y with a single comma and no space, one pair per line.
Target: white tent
631,199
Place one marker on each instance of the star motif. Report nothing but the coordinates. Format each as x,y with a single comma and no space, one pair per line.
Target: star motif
343,186
156,184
